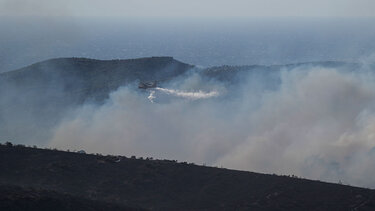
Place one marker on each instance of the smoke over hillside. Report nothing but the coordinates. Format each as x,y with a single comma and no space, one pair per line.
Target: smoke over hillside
310,120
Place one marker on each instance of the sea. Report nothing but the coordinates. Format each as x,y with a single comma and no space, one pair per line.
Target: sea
202,42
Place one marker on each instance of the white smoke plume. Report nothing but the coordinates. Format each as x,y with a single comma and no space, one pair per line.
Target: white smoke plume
182,94
317,123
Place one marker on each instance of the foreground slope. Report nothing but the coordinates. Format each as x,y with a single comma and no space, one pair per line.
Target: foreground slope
168,185
15,198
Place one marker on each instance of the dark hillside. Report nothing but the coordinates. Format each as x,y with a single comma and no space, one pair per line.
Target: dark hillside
168,185
40,95
87,79
234,73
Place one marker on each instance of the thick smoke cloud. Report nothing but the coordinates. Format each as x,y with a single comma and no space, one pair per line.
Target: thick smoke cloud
316,122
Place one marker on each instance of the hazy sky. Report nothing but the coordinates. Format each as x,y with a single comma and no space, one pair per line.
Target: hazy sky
188,8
